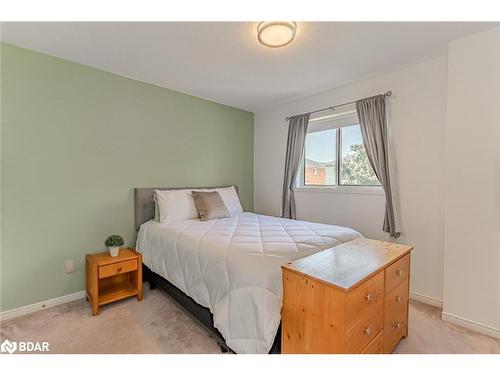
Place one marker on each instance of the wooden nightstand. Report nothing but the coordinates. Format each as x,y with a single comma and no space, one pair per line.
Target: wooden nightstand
110,279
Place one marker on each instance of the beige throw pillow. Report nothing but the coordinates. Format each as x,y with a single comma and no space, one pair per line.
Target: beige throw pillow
209,205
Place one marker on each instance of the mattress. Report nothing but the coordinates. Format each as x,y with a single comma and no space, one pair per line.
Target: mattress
233,267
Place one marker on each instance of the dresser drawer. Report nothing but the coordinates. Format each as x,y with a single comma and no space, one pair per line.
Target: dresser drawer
365,329
397,272
396,301
396,316
363,298
376,346
393,332
117,268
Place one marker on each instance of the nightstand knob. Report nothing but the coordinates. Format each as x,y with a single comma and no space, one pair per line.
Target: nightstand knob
399,272
367,331
368,297
119,269
397,324
399,299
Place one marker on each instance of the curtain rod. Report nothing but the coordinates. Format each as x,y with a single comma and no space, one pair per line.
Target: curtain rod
387,94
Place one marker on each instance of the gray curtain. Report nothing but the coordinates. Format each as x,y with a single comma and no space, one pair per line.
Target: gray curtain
297,131
372,120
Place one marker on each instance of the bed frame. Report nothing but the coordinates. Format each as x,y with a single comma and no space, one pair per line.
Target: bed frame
145,211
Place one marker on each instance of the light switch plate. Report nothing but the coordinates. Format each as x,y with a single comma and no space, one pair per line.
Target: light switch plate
69,266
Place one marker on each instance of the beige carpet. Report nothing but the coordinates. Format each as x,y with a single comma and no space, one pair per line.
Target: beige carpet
158,325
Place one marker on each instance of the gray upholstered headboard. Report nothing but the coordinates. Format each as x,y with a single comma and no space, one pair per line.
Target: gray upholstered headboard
144,205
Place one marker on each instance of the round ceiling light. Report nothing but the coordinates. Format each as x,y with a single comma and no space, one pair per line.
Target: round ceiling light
276,34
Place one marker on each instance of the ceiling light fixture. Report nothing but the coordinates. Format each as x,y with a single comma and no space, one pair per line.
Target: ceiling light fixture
276,34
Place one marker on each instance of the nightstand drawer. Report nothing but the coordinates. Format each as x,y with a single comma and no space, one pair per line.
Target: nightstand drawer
117,268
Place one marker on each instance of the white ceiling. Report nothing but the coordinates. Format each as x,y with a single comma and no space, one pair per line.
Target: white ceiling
223,62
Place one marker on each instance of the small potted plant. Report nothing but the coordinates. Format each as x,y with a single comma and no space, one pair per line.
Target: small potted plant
113,243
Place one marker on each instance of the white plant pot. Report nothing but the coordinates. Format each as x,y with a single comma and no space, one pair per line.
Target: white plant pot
114,250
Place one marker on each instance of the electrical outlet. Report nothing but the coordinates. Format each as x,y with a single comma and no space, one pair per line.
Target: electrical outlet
69,266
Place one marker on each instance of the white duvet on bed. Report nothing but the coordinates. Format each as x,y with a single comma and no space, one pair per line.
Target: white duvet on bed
233,267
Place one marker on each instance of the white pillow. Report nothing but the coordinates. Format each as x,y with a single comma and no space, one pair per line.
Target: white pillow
175,205
231,200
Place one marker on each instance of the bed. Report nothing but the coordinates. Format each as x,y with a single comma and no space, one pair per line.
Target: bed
227,272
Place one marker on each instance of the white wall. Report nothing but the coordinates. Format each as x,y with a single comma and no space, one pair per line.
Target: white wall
417,111
472,229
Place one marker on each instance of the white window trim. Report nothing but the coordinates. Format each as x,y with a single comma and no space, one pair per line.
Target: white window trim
342,189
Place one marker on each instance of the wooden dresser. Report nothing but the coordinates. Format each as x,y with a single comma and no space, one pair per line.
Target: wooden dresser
352,298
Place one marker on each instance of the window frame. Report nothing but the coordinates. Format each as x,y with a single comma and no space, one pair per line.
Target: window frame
337,121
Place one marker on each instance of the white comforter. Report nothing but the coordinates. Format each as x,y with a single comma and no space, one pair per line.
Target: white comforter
233,267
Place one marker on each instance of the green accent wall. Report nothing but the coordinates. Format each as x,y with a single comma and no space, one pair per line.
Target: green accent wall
75,141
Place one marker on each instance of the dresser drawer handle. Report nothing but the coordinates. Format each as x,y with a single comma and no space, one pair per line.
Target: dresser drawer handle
399,272
367,331
119,269
397,324
399,299
368,297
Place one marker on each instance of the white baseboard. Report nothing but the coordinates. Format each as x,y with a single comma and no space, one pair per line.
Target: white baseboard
454,319
23,310
426,299
473,326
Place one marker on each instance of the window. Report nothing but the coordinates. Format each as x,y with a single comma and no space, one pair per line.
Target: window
335,155
355,169
320,154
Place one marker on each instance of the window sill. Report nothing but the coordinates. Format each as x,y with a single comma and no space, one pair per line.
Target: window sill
363,190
